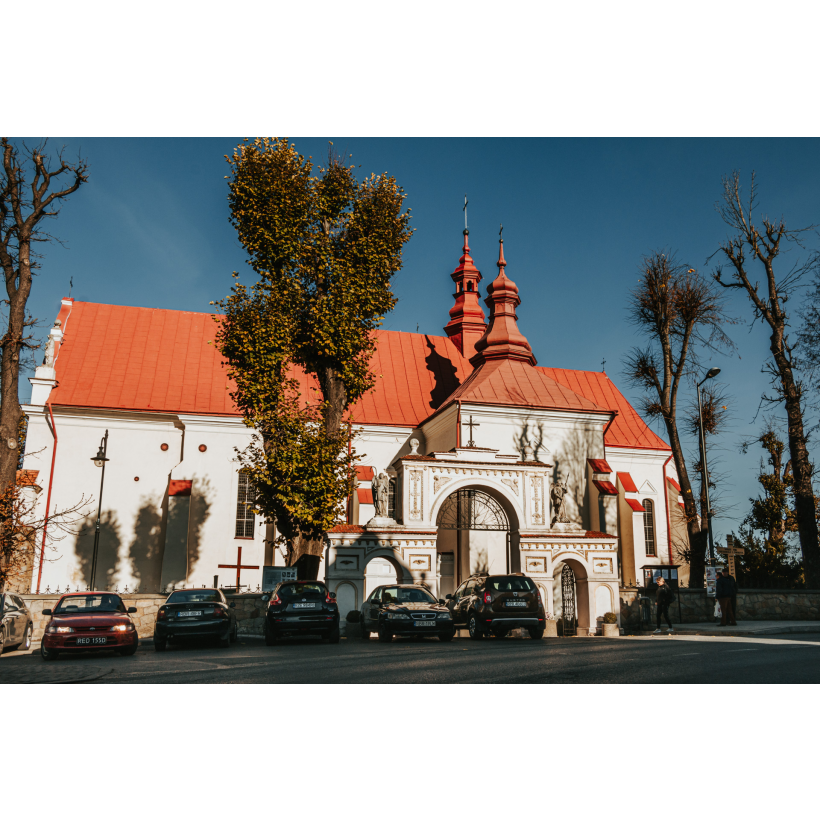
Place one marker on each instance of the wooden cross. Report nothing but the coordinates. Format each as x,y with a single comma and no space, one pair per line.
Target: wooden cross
730,551
472,424
238,566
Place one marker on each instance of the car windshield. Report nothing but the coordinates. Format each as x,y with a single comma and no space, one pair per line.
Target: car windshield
89,604
294,590
194,596
510,584
397,595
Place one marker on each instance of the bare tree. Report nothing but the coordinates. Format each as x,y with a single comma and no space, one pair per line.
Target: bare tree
760,248
679,311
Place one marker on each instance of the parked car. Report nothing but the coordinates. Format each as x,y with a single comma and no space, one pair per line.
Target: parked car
405,609
495,604
301,608
16,624
84,621
195,613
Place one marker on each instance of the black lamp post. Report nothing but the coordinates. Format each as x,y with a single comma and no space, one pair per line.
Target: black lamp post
704,469
99,460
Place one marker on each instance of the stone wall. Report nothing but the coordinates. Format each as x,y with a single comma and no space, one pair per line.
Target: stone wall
693,606
250,611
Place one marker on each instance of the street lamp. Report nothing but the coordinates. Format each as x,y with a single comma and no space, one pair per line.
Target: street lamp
704,470
99,461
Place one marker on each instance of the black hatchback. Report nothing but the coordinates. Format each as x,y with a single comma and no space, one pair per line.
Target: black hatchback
496,604
195,613
301,608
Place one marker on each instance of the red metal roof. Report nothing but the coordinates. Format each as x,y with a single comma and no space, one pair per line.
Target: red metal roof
365,496
599,465
149,359
605,487
628,429
27,478
364,473
673,483
627,482
636,505
180,487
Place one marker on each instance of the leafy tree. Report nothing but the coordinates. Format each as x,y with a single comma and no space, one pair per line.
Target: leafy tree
751,249
678,311
324,247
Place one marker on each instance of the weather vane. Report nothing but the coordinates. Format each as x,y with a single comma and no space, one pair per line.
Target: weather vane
501,233
70,285
465,212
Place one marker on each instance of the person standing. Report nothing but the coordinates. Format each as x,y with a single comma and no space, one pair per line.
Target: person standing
725,590
663,598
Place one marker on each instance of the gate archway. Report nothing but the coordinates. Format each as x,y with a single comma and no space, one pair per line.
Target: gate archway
469,509
569,613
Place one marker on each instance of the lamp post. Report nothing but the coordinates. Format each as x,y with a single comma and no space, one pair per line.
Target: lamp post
99,460
704,469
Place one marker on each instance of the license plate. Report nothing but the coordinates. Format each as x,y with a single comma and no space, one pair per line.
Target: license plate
189,614
90,640
515,603
304,606
424,623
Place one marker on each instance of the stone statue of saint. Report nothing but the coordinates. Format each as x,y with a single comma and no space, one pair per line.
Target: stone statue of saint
558,497
51,344
381,485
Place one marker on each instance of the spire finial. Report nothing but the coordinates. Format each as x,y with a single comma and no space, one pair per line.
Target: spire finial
502,263
466,229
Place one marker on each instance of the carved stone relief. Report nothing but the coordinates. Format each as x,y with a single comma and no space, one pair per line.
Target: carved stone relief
416,495
537,500
439,481
512,483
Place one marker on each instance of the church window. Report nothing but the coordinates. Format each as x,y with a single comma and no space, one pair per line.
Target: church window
649,527
244,506
393,500
469,285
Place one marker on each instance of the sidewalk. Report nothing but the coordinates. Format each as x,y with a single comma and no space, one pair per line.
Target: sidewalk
745,628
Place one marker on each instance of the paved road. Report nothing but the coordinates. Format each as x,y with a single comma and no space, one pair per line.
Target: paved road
680,659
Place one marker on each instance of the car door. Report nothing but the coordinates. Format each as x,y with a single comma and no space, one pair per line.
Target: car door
460,609
11,617
371,609
25,616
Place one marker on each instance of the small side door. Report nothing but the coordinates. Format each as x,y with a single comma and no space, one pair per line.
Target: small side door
371,609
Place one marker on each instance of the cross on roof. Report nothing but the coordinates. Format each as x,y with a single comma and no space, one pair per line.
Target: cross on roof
472,424
465,212
238,566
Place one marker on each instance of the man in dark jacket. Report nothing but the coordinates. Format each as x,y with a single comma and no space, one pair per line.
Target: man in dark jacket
724,591
663,598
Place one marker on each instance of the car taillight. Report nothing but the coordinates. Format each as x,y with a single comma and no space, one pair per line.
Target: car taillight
329,600
488,597
220,612
538,596
275,601
162,615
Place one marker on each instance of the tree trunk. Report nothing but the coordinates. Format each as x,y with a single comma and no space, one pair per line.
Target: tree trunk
804,500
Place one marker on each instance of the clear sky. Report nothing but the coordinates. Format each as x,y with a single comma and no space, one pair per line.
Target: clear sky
151,229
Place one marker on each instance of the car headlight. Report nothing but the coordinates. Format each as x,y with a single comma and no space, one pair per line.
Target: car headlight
60,629
397,615
444,616
122,628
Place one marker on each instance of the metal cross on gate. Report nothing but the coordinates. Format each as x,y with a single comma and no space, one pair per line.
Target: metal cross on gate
472,424
730,551
238,566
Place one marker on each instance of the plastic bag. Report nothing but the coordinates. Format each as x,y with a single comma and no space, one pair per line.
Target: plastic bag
718,611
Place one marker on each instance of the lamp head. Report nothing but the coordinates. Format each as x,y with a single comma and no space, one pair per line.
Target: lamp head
100,458
712,373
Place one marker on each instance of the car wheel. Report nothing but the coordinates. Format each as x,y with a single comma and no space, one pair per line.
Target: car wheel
446,636
159,644
473,628
129,650
536,634
224,643
26,639
48,654
2,640
385,635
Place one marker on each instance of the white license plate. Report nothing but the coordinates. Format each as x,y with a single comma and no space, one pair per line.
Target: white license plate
515,603
424,623
304,606
90,640
189,614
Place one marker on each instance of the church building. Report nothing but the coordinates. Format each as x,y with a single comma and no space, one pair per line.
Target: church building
474,458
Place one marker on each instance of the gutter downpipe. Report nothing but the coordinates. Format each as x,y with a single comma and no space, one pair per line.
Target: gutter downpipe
458,424
48,499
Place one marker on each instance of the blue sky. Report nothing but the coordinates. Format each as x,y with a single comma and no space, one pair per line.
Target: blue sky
151,229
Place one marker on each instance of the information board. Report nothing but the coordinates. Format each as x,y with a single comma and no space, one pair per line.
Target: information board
271,576
711,581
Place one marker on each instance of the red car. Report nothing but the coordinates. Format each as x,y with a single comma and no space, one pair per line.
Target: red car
89,620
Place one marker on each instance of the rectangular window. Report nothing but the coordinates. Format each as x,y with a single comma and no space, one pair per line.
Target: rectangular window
649,528
244,506
392,498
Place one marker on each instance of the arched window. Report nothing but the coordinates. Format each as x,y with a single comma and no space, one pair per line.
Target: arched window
469,285
649,527
244,506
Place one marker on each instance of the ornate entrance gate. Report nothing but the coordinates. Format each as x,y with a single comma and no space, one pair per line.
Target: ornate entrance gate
568,601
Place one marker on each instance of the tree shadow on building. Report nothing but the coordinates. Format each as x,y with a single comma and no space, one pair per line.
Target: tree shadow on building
444,372
530,436
571,464
184,534
108,552
147,547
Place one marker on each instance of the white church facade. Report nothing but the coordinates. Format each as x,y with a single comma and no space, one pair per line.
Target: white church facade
494,463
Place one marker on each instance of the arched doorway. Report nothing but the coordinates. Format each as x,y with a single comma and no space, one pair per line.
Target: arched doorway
474,528
570,595
569,612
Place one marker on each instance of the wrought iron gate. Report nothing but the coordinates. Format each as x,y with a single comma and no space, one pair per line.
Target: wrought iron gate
471,510
568,614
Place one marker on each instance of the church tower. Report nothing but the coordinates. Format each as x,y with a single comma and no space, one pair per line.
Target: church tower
467,324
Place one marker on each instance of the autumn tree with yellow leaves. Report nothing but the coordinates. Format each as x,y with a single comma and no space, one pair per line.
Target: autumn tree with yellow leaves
324,248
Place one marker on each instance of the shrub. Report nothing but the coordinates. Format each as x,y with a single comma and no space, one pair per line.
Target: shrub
610,618
353,616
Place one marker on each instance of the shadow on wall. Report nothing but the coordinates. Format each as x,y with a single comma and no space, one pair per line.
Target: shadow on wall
571,464
187,515
107,553
444,372
147,548
530,436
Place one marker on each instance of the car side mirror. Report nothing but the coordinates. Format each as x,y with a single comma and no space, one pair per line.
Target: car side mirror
132,610
448,597
232,604
333,595
441,600
47,612
265,599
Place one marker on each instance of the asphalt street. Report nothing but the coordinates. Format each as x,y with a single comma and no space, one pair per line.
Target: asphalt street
661,659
